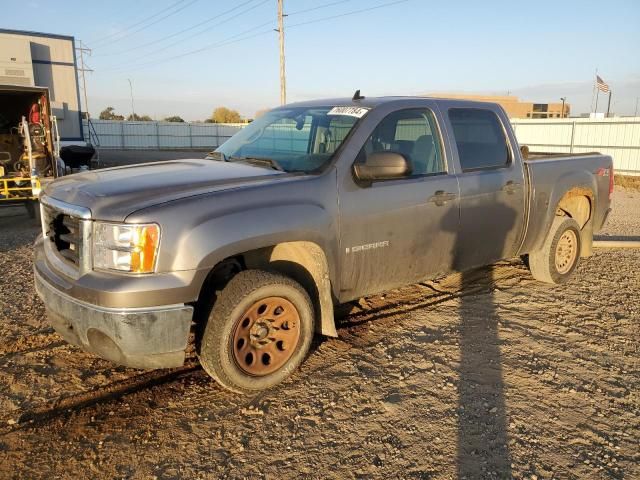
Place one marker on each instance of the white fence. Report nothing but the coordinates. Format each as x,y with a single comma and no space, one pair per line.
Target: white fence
159,135
618,137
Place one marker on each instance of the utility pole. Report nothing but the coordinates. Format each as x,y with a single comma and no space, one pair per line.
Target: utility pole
82,71
283,80
564,99
133,110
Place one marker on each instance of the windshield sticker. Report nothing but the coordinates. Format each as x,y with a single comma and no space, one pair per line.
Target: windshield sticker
357,112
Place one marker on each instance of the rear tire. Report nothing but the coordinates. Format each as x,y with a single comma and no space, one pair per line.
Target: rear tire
259,331
559,255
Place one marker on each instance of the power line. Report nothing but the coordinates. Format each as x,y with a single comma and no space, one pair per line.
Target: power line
162,39
224,42
115,34
330,4
183,39
353,12
136,64
144,27
235,39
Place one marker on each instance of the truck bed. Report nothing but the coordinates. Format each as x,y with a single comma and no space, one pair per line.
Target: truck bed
550,176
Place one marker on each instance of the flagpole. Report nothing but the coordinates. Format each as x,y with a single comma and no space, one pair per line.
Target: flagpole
597,95
609,104
593,93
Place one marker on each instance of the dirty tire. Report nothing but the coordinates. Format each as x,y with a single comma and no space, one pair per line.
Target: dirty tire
219,353
558,257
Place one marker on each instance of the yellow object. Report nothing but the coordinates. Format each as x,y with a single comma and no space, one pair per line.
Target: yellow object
19,188
143,255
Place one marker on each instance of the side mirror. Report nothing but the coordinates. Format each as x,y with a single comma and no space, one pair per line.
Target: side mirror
382,166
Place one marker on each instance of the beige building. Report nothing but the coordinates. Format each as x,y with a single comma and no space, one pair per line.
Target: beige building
45,60
513,106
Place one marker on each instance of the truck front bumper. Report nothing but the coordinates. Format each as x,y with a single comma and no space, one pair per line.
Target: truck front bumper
145,337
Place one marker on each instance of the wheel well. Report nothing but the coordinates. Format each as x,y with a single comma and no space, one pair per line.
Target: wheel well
576,203
304,262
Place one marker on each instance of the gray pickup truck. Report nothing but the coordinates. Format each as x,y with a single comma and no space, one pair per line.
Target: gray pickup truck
313,204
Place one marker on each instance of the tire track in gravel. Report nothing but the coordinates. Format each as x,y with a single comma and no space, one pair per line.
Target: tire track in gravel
382,311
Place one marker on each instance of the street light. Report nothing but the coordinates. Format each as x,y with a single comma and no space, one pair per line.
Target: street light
133,110
564,99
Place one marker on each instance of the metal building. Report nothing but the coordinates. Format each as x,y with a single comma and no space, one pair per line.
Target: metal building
45,60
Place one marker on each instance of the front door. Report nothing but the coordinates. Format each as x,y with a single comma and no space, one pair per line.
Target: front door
399,231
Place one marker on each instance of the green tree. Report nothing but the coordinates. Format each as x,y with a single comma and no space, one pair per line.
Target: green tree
225,115
109,113
174,118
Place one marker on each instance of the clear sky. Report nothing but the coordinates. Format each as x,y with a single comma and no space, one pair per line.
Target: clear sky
539,50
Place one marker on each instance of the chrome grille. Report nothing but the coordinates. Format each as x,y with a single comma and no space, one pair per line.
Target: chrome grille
64,233
67,235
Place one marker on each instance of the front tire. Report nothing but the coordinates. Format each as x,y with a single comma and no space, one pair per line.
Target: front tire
559,256
259,331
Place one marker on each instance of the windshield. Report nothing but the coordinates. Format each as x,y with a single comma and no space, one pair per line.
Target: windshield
299,139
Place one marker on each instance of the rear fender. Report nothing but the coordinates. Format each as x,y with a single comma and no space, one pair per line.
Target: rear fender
570,196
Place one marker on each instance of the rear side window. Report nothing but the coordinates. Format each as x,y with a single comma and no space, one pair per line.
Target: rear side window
480,139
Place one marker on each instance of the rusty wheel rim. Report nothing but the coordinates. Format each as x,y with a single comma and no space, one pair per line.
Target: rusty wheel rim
566,251
265,336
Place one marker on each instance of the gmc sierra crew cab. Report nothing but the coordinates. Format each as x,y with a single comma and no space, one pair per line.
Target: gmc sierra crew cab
311,205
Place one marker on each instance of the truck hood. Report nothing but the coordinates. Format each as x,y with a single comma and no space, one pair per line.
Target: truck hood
114,193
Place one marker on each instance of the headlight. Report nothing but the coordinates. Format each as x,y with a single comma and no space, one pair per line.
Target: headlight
125,247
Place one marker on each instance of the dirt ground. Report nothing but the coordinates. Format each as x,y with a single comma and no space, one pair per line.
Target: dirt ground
488,374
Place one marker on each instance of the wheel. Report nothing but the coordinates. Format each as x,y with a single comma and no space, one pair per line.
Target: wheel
259,331
560,253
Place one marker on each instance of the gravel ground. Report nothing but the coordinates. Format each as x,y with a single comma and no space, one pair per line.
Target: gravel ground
487,374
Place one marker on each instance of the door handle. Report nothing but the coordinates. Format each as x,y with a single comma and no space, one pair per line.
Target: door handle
441,197
510,187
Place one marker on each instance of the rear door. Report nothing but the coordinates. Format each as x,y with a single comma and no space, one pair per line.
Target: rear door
399,231
492,187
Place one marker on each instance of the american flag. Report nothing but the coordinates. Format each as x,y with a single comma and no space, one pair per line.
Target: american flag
603,87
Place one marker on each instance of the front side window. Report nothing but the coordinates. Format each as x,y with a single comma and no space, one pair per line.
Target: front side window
480,139
412,133
299,139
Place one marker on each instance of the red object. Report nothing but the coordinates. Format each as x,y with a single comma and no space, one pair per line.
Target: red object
34,114
611,182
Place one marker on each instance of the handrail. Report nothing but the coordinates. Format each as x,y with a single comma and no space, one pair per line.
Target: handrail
8,193
93,134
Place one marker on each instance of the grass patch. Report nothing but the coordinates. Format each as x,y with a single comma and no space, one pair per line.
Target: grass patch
628,181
